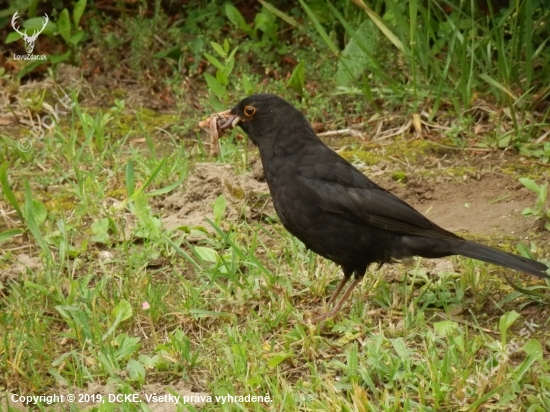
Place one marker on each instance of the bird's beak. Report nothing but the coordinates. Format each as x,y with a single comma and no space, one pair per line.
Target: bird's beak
231,122
218,122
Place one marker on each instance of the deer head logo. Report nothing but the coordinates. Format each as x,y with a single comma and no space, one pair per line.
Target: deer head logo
29,40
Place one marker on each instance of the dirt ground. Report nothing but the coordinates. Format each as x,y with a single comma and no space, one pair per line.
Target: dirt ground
246,197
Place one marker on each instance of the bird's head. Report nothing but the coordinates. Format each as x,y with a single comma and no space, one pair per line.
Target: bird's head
261,115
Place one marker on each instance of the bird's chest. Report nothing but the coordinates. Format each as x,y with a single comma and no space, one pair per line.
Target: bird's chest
295,204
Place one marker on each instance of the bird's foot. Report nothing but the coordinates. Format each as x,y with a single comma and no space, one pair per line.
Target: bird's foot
338,305
324,316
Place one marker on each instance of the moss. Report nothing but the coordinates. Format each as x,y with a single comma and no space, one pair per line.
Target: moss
236,192
61,204
411,151
399,176
117,193
369,157
531,170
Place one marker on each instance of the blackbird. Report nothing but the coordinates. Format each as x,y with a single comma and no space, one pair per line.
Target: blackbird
337,211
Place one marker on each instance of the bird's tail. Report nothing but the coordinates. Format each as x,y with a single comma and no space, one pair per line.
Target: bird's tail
498,257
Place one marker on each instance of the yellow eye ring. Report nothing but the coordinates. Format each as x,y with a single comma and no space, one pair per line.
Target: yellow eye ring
249,111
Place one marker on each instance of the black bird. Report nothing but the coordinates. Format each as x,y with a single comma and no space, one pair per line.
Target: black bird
336,210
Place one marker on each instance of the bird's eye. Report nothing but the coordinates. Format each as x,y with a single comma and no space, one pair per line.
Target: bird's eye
249,111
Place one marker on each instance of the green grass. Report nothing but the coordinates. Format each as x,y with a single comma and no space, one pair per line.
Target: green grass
229,314
114,299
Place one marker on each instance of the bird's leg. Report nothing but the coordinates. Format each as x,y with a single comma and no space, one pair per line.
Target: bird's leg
339,288
338,305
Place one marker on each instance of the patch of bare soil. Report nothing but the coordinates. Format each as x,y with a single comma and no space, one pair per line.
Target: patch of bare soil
246,197
23,262
489,205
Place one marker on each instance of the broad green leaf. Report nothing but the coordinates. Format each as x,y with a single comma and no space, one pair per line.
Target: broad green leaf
528,211
146,360
219,49
219,208
277,358
100,230
150,224
230,63
64,25
297,80
136,371
524,251
215,62
214,86
355,59
75,39
122,311
59,58
445,328
78,11
400,348
222,78
36,23
533,349
232,54
39,211
207,254
216,103
12,36
235,17
505,322
529,184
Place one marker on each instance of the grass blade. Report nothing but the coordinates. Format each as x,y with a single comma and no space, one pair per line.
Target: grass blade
380,24
8,194
319,27
32,225
283,16
8,234
150,180
130,175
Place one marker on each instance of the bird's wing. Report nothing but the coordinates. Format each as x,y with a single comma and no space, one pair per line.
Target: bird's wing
342,189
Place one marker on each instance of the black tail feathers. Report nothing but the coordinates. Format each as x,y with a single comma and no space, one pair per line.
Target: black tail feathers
498,257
